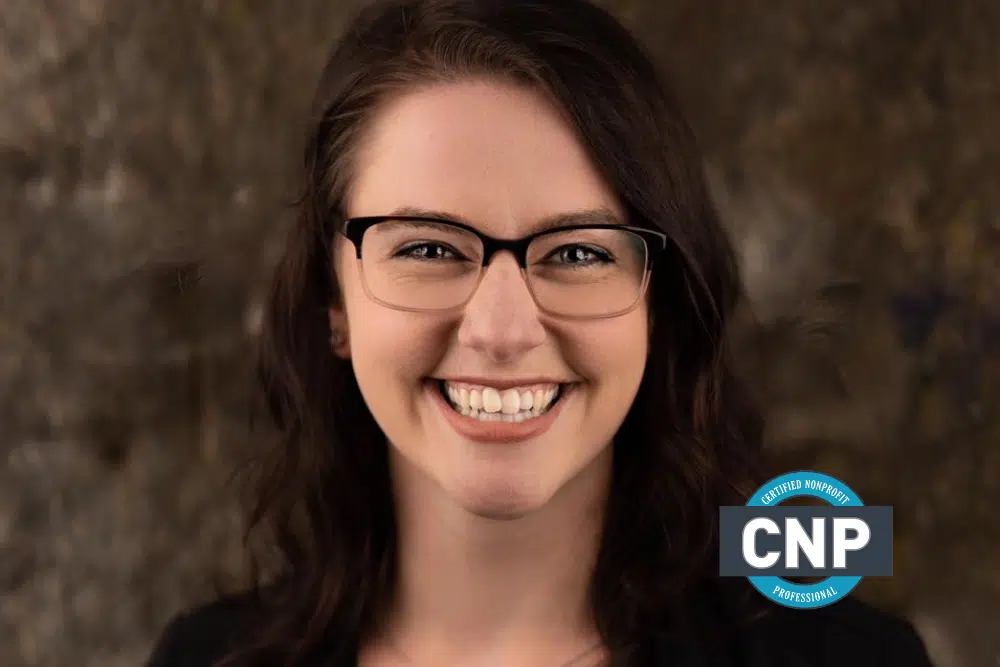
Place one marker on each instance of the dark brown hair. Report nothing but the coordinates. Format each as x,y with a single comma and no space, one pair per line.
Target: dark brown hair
690,443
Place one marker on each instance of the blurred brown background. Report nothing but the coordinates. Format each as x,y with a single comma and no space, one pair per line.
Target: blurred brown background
854,148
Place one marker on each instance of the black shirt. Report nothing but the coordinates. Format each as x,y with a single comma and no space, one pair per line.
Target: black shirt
845,634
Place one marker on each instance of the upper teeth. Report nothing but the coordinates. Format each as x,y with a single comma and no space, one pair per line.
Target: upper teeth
507,401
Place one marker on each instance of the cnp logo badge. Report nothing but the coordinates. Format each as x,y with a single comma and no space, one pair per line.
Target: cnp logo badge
842,541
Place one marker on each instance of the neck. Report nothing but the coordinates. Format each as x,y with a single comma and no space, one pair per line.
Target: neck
472,586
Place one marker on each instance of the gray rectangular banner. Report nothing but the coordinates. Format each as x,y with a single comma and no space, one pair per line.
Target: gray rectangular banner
873,559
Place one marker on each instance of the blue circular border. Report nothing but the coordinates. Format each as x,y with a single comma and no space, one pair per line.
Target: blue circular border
766,584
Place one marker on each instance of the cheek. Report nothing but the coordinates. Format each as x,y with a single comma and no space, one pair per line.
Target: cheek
610,355
387,345
611,352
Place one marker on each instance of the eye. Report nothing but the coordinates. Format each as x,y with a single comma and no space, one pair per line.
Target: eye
427,250
576,255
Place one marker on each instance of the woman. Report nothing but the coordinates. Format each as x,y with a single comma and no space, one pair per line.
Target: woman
495,352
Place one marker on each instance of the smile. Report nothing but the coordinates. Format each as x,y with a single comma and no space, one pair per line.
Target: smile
507,414
513,404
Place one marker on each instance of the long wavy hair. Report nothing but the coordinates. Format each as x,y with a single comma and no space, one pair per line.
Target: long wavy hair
321,496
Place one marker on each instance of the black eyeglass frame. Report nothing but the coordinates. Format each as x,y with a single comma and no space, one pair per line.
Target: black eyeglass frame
354,229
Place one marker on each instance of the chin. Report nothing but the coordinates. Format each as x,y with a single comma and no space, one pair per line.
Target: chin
501,500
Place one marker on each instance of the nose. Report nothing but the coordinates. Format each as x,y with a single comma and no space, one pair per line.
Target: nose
501,320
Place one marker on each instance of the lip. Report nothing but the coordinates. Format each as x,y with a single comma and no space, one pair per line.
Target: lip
504,383
497,432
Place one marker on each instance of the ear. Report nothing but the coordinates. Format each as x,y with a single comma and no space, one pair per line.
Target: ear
340,335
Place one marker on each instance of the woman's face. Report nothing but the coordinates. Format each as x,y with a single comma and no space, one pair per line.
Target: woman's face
503,159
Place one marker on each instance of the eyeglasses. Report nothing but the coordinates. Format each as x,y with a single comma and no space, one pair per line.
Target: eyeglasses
579,271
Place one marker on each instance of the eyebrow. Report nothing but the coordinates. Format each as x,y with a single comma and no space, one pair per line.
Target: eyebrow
595,216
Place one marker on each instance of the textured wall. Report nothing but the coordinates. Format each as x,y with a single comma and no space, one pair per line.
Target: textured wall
851,144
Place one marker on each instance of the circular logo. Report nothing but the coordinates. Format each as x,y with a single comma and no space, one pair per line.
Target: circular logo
794,485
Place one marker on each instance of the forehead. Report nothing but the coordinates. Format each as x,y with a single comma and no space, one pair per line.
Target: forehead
499,155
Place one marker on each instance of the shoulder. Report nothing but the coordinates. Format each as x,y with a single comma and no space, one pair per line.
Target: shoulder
726,623
205,635
847,632
202,636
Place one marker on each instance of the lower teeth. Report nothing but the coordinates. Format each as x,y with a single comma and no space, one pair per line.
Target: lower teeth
498,416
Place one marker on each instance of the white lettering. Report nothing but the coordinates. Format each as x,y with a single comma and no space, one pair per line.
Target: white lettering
750,541
842,544
797,538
